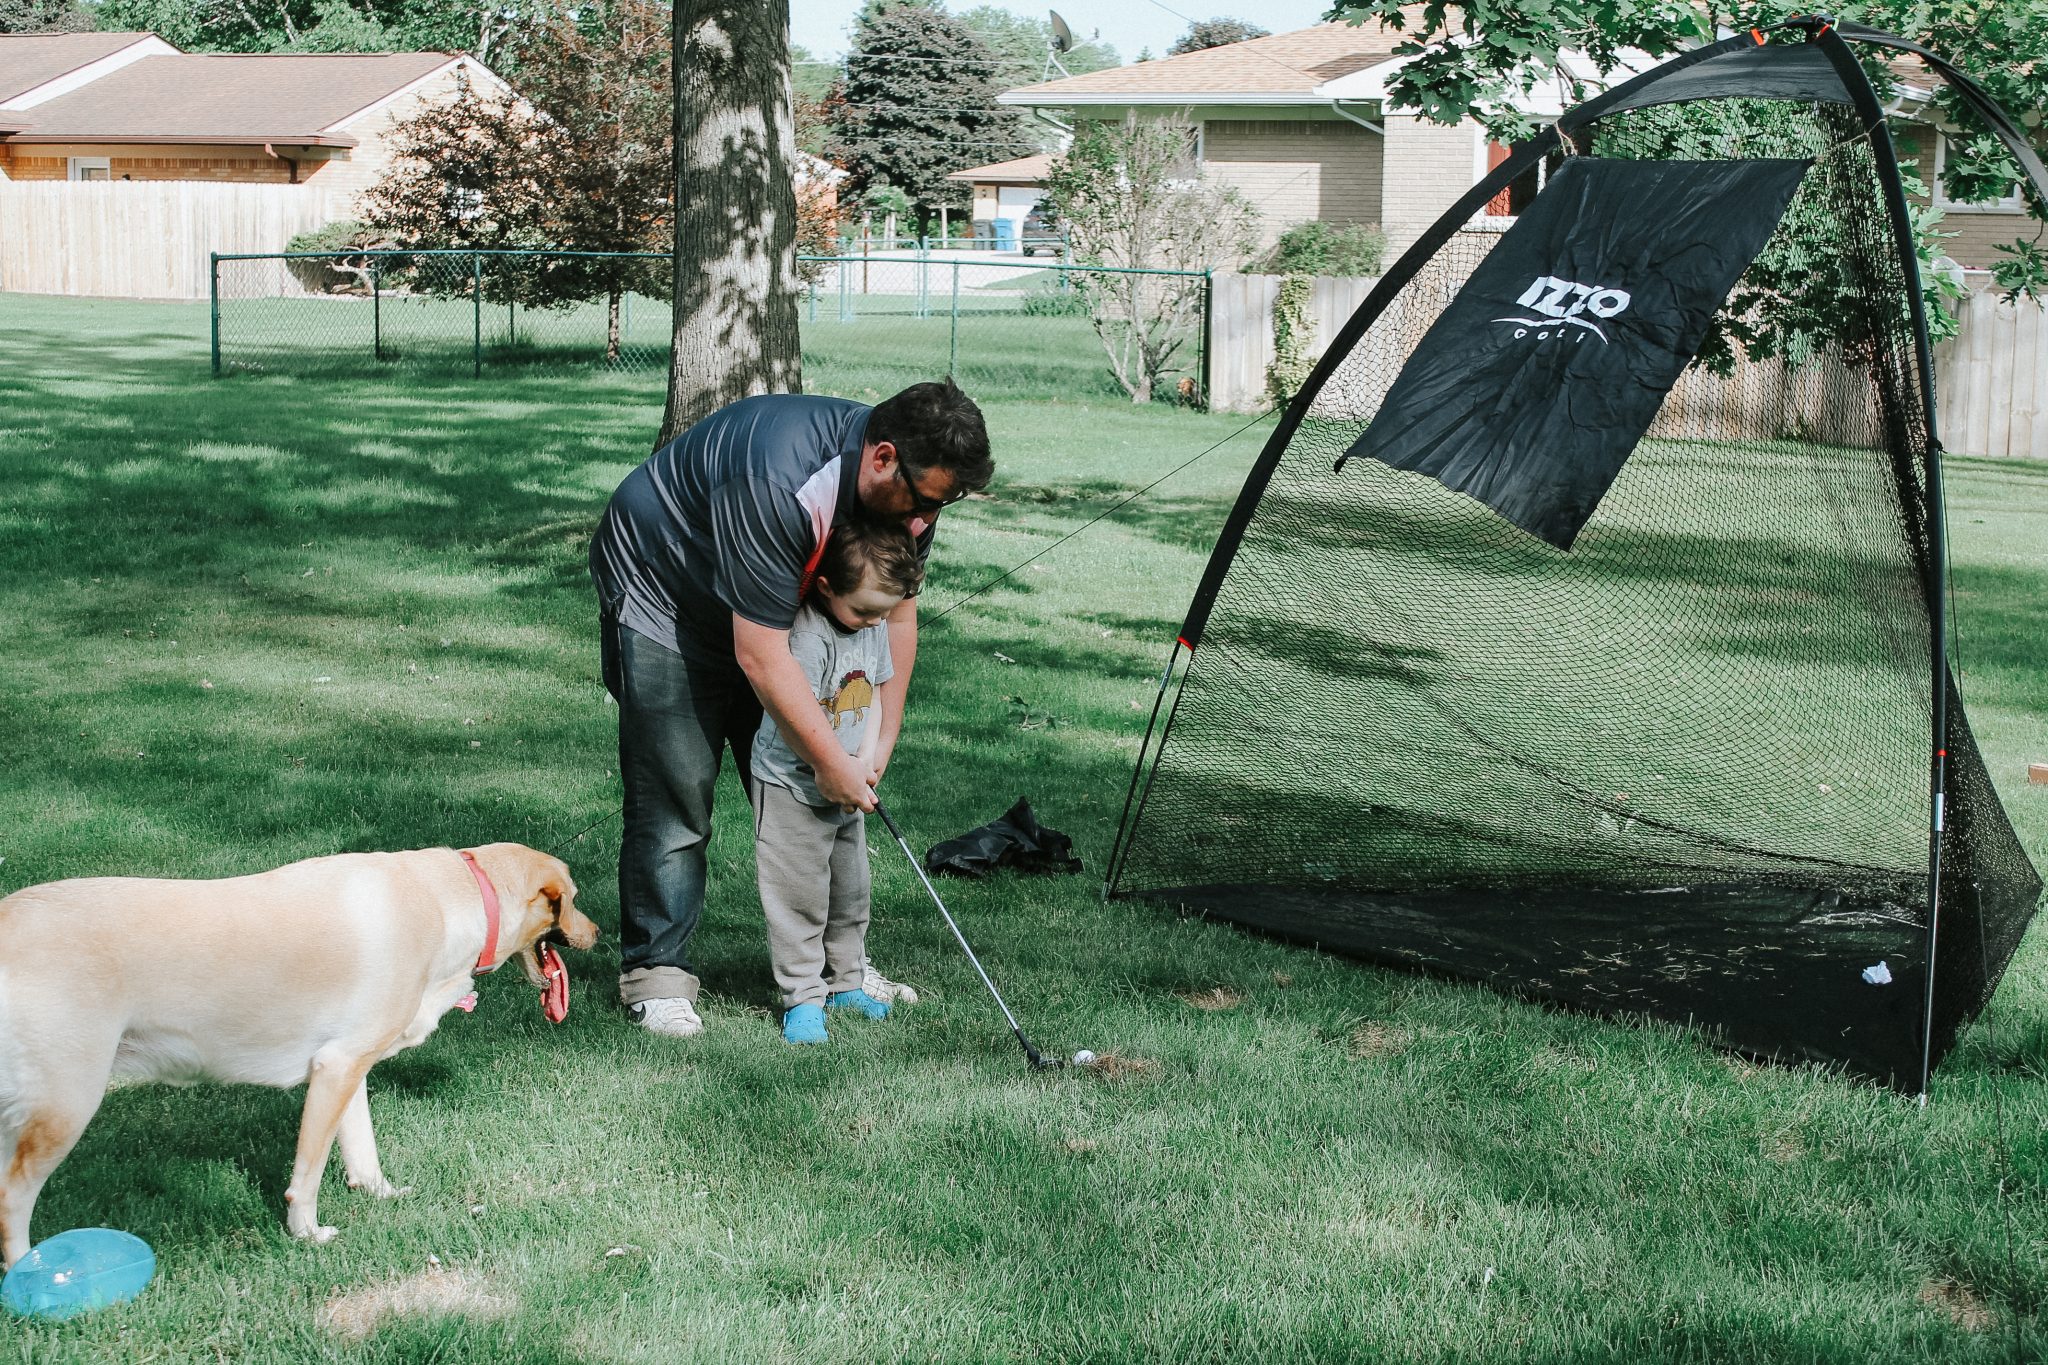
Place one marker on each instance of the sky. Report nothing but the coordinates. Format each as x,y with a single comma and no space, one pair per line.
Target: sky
1129,25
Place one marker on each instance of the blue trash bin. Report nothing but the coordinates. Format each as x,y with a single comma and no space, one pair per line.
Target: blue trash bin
1006,234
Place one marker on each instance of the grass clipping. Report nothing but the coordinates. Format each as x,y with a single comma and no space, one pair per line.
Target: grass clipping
434,1292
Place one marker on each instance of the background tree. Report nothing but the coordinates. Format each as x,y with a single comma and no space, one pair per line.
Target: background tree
464,172
602,82
1204,33
1470,59
479,27
918,103
1133,197
1019,42
813,85
579,157
736,278
43,16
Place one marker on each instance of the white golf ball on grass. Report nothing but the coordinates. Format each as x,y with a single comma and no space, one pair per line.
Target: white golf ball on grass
1084,1058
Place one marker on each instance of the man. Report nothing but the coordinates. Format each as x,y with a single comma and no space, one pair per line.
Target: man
701,561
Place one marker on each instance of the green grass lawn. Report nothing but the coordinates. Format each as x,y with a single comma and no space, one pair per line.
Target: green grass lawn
276,615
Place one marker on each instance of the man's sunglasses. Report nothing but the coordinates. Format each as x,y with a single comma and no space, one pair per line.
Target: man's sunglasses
919,503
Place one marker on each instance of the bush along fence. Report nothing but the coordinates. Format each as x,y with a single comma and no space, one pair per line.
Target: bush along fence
1049,328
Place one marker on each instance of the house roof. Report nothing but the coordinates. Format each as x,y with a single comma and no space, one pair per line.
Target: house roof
28,60
291,98
1025,170
1270,69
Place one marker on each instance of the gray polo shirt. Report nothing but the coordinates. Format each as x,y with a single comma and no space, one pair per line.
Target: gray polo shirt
725,518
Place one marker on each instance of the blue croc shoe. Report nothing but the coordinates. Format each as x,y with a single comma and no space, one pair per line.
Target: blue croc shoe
804,1024
859,1000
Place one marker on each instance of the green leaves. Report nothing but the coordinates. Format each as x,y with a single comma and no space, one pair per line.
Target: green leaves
918,103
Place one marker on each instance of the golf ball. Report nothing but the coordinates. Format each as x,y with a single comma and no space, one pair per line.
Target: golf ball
1084,1058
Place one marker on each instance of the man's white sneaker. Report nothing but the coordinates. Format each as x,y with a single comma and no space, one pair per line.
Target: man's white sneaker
673,1017
882,988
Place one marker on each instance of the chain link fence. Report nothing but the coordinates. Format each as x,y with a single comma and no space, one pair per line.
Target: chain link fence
876,319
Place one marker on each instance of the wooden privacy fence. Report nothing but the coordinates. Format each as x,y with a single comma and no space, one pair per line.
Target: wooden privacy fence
1991,380
144,239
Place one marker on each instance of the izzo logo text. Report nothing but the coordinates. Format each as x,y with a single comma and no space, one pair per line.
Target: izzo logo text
1560,303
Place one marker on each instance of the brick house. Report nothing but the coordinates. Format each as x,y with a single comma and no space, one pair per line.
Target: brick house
1299,121
144,111
1265,126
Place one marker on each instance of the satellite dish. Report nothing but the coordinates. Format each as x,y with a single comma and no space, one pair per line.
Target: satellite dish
1062,36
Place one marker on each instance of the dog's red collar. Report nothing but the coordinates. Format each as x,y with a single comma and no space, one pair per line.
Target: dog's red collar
491,915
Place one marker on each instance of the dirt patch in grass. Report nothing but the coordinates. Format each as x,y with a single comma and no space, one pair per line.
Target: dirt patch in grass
1958,1303
1114,1066
434,1292
1783,1148
1376,1039
1215,998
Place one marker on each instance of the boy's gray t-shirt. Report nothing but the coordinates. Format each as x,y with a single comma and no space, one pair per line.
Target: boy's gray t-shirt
845,669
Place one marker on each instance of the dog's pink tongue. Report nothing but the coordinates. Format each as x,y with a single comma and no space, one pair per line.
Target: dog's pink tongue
467,1004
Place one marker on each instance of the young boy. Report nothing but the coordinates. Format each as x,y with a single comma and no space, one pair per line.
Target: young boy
812,856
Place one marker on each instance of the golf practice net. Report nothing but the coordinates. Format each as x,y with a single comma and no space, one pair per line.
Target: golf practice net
1579,628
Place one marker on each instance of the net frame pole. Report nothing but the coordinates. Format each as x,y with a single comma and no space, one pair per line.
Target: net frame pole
1885,158
1145,796
2015,143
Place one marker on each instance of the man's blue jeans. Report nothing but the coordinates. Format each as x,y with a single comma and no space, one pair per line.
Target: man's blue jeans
677,715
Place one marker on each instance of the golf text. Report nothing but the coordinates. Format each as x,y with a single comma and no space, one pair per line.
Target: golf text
1561,301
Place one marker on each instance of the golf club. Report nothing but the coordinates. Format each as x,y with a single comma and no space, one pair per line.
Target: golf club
1038,1063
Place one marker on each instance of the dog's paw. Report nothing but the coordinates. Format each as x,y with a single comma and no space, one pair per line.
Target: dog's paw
318,1234
382,1189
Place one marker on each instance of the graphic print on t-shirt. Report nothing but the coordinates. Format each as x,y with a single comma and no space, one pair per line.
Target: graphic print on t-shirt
853,697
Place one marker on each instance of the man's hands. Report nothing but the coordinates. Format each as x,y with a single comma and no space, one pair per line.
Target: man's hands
846,783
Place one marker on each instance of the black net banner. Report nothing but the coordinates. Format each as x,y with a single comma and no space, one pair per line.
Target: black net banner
1543,373
1688,768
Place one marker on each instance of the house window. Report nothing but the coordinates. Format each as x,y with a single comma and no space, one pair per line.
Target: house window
89,168
2013,202
1523,189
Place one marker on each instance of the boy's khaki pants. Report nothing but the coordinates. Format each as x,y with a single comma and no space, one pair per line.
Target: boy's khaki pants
813,867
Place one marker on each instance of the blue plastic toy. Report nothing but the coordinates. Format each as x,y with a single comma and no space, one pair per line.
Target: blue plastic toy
76,1272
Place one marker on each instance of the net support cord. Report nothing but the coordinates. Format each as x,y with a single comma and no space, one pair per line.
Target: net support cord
1109,874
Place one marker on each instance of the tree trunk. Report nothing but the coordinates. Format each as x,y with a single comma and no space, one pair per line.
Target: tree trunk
735,268
611,328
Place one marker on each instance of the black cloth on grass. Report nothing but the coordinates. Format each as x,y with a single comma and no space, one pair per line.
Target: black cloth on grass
1017,840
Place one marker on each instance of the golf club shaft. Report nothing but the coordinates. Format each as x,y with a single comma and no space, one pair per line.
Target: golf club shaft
965,947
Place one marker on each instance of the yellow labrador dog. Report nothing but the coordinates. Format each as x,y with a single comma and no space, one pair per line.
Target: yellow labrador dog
312,973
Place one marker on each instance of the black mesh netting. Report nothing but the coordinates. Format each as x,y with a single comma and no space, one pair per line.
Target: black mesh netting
1680,770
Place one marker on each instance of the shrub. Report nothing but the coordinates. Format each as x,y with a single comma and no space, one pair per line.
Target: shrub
1050,297
1293,335
1317,248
